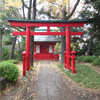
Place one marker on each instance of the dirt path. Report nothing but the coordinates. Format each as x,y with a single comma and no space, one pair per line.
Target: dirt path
50,86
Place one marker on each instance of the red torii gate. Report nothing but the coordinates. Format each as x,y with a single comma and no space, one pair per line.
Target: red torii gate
53,23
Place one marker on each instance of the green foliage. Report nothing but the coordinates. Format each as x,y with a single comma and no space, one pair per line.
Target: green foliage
5,53
84,76
88,58
79,58
10,61
57,47
75,43
18,55
10,71
96,62
8,39
95,50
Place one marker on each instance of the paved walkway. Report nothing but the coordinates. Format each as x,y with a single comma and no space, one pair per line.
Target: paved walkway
50,86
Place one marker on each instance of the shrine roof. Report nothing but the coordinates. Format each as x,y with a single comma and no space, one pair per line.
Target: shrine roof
53,21
46,39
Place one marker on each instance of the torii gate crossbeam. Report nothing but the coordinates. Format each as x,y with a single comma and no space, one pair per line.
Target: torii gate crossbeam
37,23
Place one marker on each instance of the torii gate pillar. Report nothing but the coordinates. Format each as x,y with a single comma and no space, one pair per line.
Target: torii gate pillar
68,48
28,33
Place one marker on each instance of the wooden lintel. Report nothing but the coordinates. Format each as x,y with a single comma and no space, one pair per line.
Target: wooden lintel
47,33
76,33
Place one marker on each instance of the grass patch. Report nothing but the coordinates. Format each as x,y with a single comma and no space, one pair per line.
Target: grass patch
79,58
96,62
88,58
10,61
84,76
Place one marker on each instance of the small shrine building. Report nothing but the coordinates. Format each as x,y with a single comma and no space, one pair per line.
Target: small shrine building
44,47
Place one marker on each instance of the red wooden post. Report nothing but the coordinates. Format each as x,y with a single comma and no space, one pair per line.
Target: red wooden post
24,64
73,61
68,48
28,48
65,60
48,29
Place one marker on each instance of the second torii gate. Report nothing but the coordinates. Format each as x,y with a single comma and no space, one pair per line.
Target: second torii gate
42,23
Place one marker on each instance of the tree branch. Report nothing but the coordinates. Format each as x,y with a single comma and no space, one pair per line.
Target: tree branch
23,9
24,4
34,9
42,11
29,10
55,3
73,10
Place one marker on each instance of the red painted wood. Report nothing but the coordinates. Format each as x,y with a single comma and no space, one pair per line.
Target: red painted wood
44,49
39,33
73,61
45,43
76,33
48,29
37,24
68,48
19,33
46,56
28,48
24,63
47,33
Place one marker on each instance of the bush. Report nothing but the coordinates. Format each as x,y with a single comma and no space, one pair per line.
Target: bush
96,62
88,58
5,53
95,50
10,71
18,55
79,58
10,61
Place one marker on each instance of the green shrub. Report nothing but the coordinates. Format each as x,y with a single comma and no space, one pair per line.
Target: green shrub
79,58
88,58
5,53
11,61
10,71
96,62
95,50
18,55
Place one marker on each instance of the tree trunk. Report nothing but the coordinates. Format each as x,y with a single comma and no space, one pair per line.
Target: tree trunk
90,43
29,10
18,43
32,37
13,47
0,46
63,38
23,9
